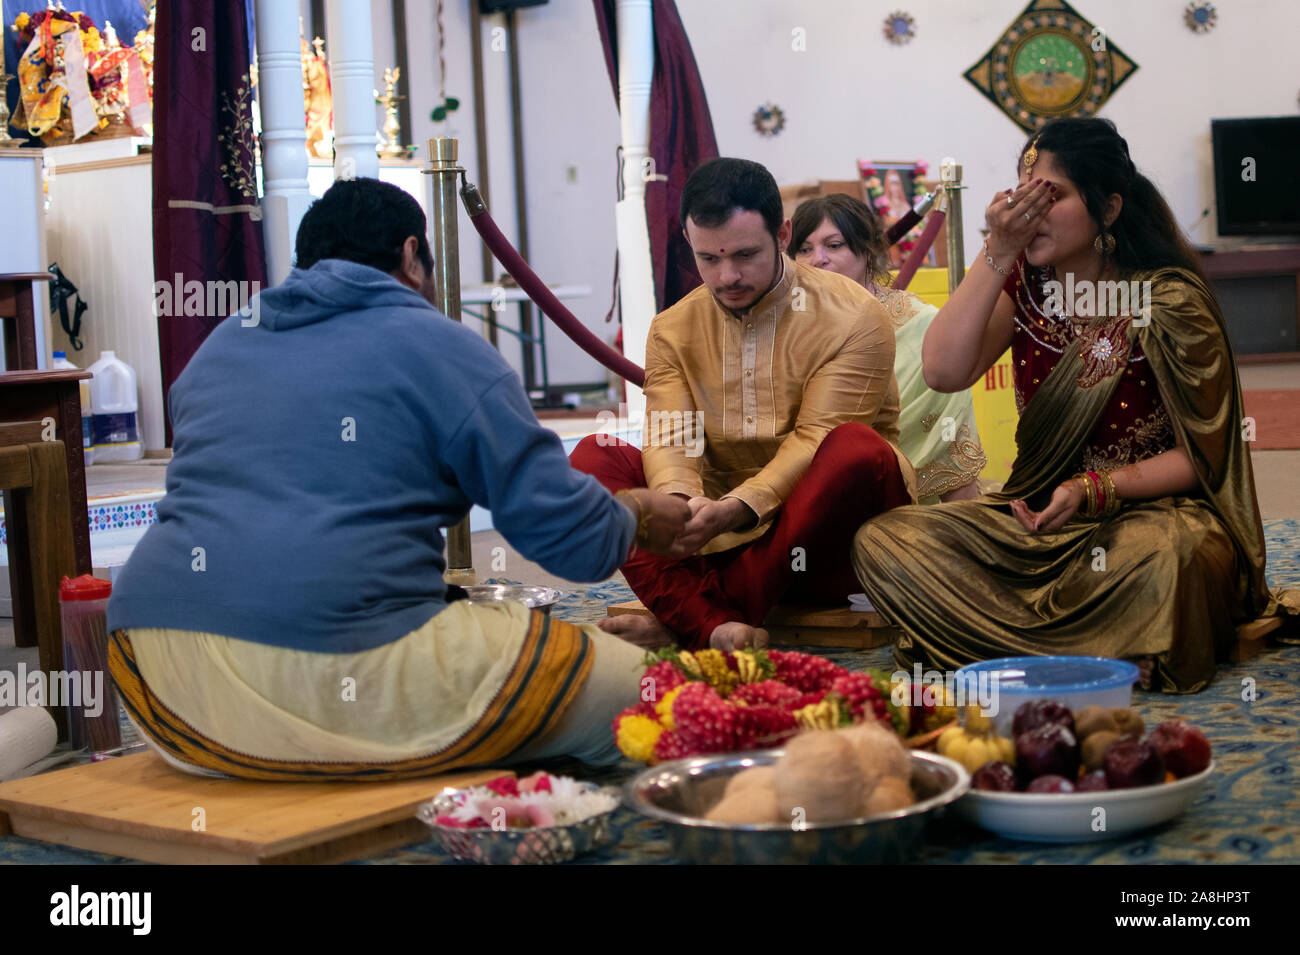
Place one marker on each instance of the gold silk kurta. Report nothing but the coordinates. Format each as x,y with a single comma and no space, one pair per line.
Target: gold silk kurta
1169,578
762,390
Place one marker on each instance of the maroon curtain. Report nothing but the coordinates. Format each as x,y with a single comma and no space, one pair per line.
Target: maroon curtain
206,222
681,137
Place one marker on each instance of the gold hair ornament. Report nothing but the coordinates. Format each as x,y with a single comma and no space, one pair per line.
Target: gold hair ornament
1031,156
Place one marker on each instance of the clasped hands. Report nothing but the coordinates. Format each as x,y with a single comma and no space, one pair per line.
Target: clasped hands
678,526
708,519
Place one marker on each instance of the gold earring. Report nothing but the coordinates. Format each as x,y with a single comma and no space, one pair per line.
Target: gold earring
1104,243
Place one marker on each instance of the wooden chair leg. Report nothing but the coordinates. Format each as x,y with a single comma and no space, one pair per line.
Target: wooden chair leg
20,569
49,527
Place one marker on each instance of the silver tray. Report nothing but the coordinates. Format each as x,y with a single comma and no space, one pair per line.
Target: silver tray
539,846
679,793
538,598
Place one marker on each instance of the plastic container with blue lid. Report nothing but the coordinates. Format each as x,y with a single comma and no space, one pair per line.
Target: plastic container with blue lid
1075,681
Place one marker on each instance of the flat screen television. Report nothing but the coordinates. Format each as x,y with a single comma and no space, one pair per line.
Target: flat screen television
1263,197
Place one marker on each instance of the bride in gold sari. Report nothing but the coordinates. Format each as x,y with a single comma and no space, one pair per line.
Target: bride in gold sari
1129,525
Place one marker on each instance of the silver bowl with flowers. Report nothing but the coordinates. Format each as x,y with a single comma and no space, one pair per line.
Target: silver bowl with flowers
538,820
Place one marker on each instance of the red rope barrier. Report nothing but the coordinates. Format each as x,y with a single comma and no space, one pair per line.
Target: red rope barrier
582,336
536,289
919,253
902,226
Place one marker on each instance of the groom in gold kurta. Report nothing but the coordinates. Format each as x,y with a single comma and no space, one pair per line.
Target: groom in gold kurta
771,406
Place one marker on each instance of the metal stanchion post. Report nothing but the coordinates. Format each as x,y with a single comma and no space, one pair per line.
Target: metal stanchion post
950,175
444,169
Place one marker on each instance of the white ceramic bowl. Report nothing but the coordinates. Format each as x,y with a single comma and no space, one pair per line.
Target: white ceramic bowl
1081,817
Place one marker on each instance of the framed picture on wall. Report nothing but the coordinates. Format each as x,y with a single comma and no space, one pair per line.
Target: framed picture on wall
891,188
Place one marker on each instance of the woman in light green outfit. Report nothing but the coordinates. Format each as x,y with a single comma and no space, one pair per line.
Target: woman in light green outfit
937,431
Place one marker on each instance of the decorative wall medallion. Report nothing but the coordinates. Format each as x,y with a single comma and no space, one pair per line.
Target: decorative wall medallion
900,28
1050,62
1200,17
769,119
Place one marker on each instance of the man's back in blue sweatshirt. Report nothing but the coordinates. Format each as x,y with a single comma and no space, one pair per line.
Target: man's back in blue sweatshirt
319,452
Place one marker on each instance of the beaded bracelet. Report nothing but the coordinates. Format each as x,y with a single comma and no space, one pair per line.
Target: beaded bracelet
989,259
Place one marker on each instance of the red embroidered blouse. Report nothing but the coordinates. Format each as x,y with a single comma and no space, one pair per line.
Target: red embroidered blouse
1135,425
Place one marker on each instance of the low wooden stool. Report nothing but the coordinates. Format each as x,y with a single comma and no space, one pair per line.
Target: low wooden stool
795,625
1252,638
141,808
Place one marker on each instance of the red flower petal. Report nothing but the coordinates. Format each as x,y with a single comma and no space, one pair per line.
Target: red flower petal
504,786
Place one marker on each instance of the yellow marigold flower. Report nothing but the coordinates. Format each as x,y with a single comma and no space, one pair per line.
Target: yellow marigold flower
713,664
818,716
637,736
21,22
664,708
686,660
747,667
90,41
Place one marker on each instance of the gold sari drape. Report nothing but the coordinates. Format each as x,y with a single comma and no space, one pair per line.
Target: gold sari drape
1169,578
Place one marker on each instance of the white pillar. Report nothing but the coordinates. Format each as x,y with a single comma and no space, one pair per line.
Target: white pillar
285,195
352,82
636,60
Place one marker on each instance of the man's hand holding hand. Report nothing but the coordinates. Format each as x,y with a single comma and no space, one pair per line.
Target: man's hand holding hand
709,519
661,519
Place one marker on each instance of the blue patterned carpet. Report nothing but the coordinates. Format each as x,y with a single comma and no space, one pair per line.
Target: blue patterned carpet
1251,813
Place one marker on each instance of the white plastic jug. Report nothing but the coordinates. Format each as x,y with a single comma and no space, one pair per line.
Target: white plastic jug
87,415
114,401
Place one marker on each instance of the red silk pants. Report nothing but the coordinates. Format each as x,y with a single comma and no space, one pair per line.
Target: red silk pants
853,477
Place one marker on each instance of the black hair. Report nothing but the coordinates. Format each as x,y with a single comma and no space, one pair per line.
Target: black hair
364,221
1095,157
863,230
720,187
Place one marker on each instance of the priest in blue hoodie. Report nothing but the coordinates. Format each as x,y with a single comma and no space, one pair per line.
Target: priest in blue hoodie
286,618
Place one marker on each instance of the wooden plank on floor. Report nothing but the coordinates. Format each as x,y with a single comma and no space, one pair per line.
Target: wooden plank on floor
139,807
793,625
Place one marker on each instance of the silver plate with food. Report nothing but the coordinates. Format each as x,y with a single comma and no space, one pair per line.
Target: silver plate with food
679,794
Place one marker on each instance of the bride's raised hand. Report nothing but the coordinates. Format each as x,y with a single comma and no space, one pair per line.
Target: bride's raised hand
1015,215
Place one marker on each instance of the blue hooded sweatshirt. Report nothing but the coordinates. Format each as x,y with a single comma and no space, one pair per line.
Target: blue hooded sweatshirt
319,452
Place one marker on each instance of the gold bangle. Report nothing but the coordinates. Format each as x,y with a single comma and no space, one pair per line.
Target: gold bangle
642,518
1113,502
1089,506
